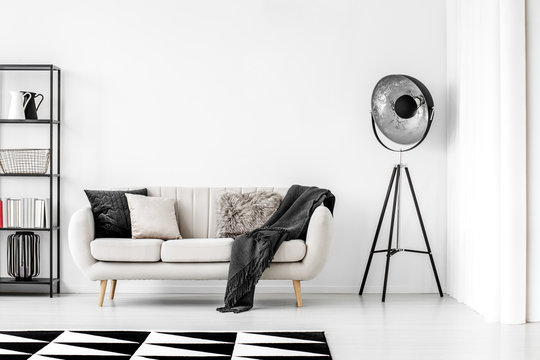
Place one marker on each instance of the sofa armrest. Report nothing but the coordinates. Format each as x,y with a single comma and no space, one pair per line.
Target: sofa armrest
80,234
318,239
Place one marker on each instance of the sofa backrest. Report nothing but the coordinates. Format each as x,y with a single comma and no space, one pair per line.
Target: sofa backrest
196,207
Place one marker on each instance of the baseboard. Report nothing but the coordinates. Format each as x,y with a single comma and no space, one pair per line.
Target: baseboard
125,287
149,288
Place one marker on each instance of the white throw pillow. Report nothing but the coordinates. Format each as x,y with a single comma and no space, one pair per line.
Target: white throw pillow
152,217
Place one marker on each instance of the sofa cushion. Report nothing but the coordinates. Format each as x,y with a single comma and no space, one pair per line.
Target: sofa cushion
197,250
219,250
129,250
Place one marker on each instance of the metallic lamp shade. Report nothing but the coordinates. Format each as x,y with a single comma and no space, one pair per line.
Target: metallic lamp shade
401,107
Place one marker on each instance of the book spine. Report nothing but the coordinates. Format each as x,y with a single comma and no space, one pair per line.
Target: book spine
18,220
40,213
20,211
32,205
9,212
42,216
47,214
24,213
1,214
36,213
27,213
12,213
4,200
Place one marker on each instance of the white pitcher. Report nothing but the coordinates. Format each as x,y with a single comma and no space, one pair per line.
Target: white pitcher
19,100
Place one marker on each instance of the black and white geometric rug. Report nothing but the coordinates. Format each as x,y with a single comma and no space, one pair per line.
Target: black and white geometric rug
162,345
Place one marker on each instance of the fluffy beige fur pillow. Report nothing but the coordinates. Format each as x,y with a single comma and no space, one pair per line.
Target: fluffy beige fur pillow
152,217
240,213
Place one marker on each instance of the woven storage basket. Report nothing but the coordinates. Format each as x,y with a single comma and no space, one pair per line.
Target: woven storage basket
24,161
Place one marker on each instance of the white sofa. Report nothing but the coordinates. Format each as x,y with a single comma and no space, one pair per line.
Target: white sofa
199,255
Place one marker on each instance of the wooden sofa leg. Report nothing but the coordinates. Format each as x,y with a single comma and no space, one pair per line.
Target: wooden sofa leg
102,289
113,288
297,292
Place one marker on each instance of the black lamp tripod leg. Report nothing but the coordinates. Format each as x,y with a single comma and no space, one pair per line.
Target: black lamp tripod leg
389,251
377,231
424,231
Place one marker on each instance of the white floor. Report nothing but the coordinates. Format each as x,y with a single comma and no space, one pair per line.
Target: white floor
405,327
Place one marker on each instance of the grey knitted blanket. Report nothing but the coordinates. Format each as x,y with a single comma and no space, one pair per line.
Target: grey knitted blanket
252,252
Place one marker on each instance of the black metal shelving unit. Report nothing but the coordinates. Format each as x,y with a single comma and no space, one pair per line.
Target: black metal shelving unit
53,122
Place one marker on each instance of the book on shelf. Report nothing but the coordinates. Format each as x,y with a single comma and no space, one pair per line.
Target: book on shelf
39,218
13,212
47,213
24,213
20,215
4,212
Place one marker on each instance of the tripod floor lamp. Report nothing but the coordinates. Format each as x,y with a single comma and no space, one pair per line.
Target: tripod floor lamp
402,110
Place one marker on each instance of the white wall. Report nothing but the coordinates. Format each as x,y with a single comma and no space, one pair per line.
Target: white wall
241,93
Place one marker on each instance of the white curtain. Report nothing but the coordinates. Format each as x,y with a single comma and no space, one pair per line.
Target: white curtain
487,157
533,157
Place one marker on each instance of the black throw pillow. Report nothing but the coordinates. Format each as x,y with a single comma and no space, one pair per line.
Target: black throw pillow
111,212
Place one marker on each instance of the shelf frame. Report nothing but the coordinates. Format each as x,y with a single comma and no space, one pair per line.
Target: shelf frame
29,67
54,177
29,121
31,175
54,228
33,281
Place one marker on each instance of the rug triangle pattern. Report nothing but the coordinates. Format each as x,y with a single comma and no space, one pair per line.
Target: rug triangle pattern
161,345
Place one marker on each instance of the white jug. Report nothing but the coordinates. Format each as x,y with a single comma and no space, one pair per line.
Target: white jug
19,100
